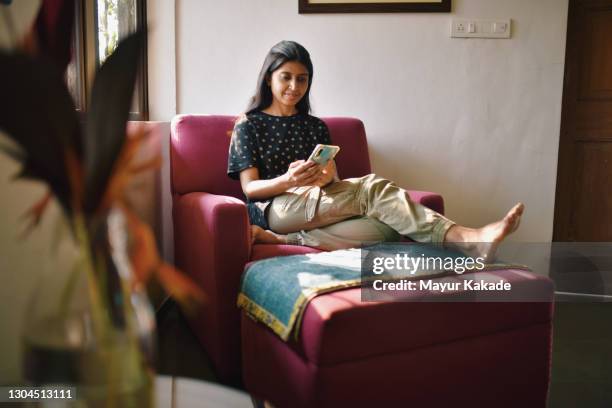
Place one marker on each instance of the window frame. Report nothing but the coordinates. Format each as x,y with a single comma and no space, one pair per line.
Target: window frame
85,47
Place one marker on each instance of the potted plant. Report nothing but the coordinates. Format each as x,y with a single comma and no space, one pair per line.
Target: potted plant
89,325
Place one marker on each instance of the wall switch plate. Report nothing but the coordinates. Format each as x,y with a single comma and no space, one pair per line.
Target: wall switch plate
474,28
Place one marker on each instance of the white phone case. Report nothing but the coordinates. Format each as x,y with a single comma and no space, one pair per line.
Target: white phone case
322,154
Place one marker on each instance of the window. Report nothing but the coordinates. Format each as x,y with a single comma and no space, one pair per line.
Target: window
99,26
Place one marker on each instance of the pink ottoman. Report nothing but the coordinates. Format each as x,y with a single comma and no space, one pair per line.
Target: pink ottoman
426,352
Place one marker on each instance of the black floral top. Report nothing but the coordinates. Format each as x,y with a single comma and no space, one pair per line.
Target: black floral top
271,143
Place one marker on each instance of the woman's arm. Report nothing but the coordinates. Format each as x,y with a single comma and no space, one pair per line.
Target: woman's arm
300,173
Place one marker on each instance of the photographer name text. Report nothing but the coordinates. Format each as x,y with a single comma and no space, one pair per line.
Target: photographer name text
428,284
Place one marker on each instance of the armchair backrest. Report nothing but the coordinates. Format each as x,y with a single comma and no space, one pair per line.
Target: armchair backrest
199,146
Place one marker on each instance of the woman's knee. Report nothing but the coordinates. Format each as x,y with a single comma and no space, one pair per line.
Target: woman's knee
374,181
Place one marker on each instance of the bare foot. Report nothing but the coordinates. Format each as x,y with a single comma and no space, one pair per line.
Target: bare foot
262,236
490,236
483,242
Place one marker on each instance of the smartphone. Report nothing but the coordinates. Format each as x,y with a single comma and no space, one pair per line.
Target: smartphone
322,154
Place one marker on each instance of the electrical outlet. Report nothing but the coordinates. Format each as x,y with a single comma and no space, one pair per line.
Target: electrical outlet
459,28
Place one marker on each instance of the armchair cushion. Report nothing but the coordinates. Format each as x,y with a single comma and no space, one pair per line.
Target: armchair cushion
331,321
263,251
199,149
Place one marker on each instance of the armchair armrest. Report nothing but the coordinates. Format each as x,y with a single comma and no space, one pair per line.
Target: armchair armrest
212,245
428,199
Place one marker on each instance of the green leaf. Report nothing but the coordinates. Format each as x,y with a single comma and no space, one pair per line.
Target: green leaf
37,112
107,116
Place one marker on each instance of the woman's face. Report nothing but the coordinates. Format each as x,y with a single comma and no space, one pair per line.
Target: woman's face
289,84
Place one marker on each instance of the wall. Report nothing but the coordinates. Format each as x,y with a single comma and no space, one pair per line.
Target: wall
161,59
474,119
162,99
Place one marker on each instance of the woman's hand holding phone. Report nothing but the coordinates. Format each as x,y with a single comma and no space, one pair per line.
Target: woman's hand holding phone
303,173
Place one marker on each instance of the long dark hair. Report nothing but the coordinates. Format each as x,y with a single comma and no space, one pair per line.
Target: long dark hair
282,52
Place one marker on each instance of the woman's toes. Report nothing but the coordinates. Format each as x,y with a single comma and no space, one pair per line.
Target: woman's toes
518,209
516,214
262,236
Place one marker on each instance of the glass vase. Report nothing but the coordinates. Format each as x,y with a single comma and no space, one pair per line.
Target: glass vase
89,325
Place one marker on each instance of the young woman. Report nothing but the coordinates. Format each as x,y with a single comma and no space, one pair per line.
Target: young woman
293,200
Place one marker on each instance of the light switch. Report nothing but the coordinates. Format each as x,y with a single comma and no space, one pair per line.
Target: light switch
500,27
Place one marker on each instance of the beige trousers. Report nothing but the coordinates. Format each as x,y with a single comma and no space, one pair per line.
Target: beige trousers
352,213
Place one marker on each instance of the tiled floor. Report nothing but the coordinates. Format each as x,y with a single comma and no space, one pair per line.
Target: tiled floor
582,353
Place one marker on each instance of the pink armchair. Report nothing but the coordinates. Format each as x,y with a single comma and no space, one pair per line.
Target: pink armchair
425,351
211,226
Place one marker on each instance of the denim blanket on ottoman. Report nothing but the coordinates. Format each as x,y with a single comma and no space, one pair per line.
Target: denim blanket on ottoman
275,291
